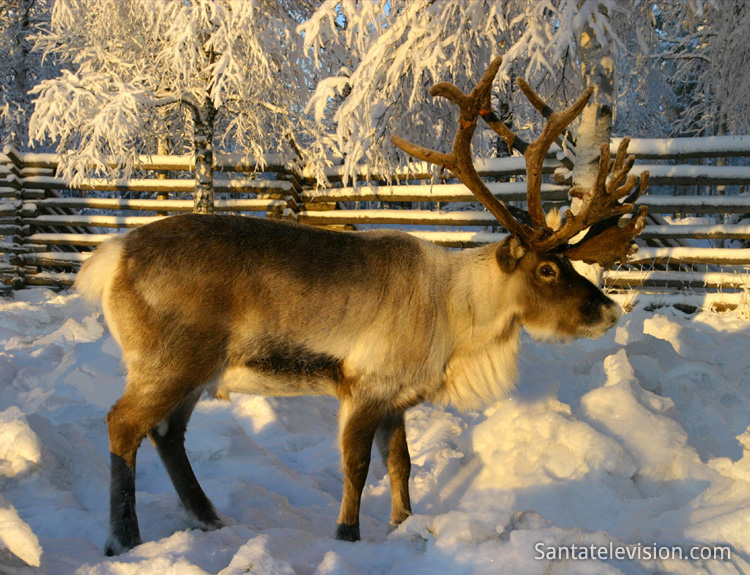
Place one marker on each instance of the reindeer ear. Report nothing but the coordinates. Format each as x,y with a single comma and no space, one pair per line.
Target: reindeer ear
509,253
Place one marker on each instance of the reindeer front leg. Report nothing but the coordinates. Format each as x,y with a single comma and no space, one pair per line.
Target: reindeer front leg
357,425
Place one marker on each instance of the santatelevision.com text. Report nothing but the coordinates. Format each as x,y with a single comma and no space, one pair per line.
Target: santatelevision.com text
637,552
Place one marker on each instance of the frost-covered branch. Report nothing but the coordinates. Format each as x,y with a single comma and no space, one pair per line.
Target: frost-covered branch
20,68
381,64
149,69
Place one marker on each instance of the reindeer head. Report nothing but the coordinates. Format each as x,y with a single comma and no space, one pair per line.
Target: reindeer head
537,253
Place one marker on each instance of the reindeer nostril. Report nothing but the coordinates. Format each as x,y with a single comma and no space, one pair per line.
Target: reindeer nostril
613,313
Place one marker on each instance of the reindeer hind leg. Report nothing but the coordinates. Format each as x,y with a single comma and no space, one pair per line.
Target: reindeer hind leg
391,441
169,438
128,422
145,403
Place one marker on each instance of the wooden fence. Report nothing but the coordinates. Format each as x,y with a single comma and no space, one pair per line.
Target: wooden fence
692,249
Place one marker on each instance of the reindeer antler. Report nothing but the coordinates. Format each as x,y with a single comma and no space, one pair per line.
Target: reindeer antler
459,161
605,242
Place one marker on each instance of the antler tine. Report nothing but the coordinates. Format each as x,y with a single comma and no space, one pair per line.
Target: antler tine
620,170
603,200
535,99
600,211
613,244
458,160
424,154
622,151
535,154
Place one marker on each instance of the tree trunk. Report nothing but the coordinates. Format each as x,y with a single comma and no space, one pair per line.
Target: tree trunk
203,134
597,69
162,149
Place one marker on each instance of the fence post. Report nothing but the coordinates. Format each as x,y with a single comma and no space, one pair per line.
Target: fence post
293,174
161,149
11,224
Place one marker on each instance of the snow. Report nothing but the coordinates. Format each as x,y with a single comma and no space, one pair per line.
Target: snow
676,229
636,440
726,256
185,162
17,537
692,175
166,205
728,278
99,221
513,191
671,204
703,146
393,216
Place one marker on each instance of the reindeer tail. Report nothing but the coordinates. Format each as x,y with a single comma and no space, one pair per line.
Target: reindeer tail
97,272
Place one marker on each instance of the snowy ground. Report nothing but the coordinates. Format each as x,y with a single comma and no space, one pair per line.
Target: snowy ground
634,441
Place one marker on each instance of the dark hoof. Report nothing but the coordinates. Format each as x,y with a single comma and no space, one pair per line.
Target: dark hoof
114,547
347,532
204,517
213,525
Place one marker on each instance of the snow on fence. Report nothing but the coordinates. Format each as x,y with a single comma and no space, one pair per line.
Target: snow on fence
49,228
694,244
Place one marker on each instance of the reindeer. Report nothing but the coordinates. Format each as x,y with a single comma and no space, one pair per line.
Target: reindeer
403,321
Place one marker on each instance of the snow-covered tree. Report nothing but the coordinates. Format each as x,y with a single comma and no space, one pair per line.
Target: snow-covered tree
235,74
668,66
382,57
193,75
20,68
646,104
708,42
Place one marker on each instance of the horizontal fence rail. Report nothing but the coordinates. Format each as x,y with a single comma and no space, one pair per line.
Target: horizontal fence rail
695,249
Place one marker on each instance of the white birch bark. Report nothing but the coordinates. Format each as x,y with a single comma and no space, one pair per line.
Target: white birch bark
203,134
597,69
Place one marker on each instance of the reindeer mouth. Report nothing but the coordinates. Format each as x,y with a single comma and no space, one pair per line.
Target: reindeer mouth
594,326
594,332
609,317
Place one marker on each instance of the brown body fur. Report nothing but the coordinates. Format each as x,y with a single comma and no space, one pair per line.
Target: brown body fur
380,320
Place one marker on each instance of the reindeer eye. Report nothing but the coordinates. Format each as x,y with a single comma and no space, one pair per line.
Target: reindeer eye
547,271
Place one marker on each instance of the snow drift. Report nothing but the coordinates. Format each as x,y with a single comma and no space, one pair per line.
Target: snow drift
638,441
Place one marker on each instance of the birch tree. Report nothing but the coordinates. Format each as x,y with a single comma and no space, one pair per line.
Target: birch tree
199,74
597,64
672,67
380,58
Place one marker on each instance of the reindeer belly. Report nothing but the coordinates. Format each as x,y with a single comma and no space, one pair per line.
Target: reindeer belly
281,368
